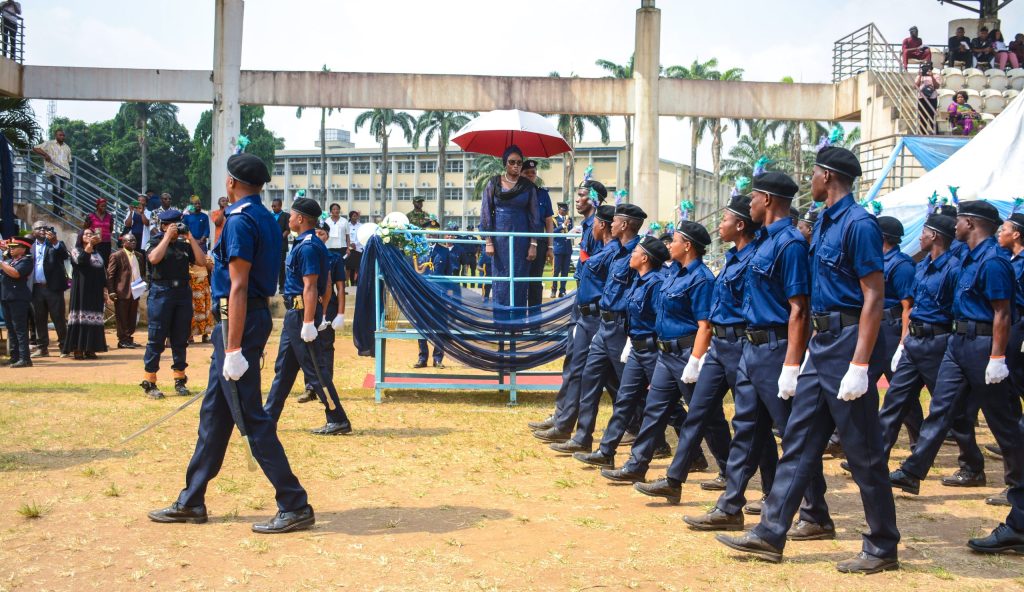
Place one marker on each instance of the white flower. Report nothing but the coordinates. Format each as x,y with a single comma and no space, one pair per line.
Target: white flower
384,231
387,239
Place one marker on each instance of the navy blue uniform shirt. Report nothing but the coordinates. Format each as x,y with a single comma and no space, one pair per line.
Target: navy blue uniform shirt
562,246
251,234
847,246
899,277
620,276
727,304
588,244
958,249
177,259
592,276
441,258
1017,261
777,271
985,275
307,257
685,299
642,304
544,204
17,289
934,284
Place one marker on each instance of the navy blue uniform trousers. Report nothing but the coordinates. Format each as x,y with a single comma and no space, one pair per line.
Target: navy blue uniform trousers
563,389
630,400
568,412
561,269
293,355
758,408
216,423
816,412
603,365
914,415
960,385
424,348
16,313
169,311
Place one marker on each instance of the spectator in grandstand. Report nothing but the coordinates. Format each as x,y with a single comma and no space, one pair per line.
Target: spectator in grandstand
959,49
1017,47
1002,51
915,49
962,117
981,47
928,82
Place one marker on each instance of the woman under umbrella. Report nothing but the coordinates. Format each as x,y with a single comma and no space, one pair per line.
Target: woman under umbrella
510,205
88,293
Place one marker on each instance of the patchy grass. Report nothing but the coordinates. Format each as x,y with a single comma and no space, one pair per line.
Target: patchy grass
32,510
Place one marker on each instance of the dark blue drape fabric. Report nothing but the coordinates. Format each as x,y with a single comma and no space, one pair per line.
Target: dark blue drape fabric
9,226
485,336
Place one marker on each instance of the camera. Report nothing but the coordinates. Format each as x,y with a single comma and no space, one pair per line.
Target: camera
182,228
926,68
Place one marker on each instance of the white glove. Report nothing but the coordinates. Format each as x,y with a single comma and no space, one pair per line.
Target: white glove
338,322
896,358
787,381
323,325
692,370
308,332
625,351
996,371
235,365
854,384
1022,347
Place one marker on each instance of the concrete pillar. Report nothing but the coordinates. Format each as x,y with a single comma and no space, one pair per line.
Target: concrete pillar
644,186
227,65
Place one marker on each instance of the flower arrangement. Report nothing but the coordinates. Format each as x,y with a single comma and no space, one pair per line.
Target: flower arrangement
399,237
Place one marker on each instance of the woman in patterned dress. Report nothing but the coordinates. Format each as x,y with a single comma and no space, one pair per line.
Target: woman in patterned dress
88,294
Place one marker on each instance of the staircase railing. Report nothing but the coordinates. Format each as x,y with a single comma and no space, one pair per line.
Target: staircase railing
866,50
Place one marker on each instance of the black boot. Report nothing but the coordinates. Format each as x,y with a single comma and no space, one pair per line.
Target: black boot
150,389
179,387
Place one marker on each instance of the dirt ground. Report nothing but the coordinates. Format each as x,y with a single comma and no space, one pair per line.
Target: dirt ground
433,491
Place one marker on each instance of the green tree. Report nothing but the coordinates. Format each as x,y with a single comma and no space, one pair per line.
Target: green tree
86,139
380,122
572,128
758,141
142,116
168,153
324,112
623,71
439,126
18,122
262,143
699,126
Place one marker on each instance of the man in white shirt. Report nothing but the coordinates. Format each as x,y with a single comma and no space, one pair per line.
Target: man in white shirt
57,157
355,256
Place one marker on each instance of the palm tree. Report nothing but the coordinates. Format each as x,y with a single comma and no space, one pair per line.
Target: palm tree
717,129
757,142
18,122
699,126
439,125
144,114
324,112
623,72
380,120
572,127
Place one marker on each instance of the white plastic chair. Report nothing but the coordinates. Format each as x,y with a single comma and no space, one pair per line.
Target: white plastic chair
1016,78
987,117
974,99
1010,94
997,79
976,79
992,101
953,78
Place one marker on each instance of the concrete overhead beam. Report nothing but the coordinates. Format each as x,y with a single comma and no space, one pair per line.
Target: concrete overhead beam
118,84
747,100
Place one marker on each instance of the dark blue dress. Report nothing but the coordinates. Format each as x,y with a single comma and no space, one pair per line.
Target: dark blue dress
515,210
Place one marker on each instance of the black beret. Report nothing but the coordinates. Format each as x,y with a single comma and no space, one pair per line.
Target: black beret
529,164
946,211
810,216
694,232
605,212
602,191
942,224
774,183
1018,220
418,198
891,227
740,205
171,215
839,160
980,209
794,215
655,249
248,168
307,207
563,206
630,211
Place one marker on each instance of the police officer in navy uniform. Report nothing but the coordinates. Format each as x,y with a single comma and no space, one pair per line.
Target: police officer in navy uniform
244,277
562,249
591,276
169,306
973,374
334,315
440,262
306,275
16,299
835,387
641,352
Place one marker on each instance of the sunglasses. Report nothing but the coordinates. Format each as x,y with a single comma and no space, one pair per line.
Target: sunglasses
515,162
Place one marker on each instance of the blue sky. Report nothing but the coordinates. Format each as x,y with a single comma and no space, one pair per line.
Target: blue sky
769,40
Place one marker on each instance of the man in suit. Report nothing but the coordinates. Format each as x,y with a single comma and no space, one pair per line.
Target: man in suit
281,217
126,266
49,281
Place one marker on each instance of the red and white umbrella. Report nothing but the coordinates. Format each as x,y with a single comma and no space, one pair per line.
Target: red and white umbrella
493,132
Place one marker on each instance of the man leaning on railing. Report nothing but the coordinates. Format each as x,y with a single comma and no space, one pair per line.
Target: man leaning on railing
57,155
11,12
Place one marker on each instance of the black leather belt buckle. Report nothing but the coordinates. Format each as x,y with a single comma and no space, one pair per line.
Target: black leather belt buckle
729,331
610,316
821,322
589,310
644,344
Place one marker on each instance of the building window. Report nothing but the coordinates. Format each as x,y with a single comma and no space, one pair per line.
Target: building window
278,170
428,194
453,166
376,167
316,170
404,194
428,166
340,168
299,169
407,166
361,194
452,194
360,168
339,194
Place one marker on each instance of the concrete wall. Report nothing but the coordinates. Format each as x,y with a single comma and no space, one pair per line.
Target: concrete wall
10,78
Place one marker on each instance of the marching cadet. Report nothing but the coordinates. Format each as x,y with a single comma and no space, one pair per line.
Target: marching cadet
169,306
333,320
973,374
684,333
305,280
641,352
16,299
604,358
439,263
591,276
718,371
834,389
244,277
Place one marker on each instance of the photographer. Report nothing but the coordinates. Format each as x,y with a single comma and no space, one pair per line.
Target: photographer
169,306
928,83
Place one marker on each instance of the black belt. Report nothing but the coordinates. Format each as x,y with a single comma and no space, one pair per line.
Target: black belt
894,314
589,310
171,283
823,322
966,327
764,335
928,329
611,315
730,332
677,345
644,344
252,303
